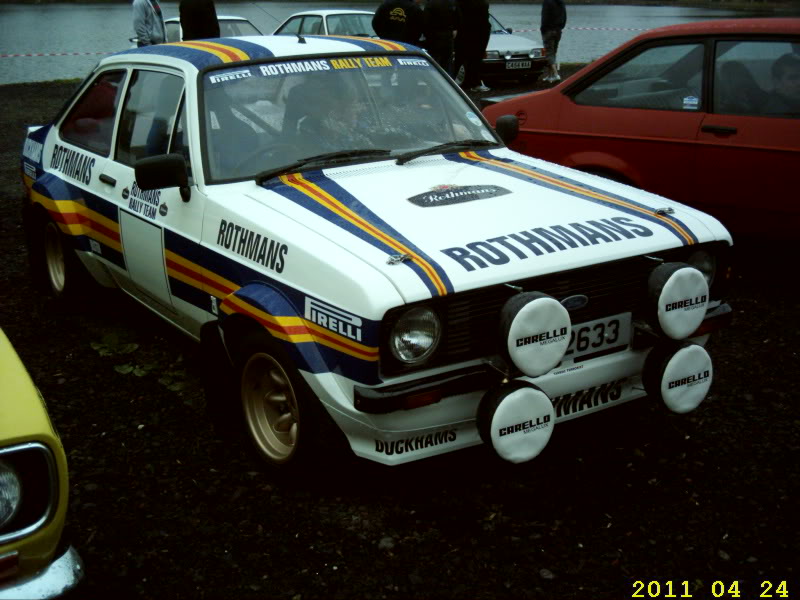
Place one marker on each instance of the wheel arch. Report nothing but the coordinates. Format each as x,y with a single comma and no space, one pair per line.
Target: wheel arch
259,306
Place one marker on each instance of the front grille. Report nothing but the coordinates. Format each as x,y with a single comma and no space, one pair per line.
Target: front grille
471,320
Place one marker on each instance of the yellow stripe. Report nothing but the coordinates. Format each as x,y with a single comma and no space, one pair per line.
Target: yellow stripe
229,285
345,345
221,51
568,186
71,206
367,227
385,44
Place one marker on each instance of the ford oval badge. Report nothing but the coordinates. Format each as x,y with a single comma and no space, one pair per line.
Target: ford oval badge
575,302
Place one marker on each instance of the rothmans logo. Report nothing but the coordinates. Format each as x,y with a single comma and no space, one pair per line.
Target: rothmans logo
442,195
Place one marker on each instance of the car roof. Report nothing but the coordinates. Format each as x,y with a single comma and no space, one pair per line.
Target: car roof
777,25
219,18
201,54
328,12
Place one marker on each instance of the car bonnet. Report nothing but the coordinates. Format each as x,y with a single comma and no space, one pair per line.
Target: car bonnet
454,222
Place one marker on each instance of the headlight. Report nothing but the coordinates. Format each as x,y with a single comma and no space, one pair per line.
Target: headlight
492,54
415,335
535,53
10,493
705,263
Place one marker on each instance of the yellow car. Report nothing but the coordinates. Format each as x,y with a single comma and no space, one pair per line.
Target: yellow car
34,562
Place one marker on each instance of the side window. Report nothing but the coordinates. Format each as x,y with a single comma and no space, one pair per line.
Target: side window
749,80
293,26
148,115
661,78
90,123
312,25
173,32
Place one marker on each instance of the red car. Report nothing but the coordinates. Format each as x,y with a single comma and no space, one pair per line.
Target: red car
706,113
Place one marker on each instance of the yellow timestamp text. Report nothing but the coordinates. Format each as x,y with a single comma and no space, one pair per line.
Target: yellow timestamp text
701,591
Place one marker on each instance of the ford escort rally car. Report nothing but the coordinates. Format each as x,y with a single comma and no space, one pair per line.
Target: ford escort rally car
335,220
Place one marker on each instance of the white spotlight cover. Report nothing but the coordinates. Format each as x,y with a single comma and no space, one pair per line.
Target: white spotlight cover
537,329
686,378
517,420
682,300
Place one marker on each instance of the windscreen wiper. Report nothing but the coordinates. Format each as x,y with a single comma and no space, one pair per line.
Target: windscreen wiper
441,148
327,156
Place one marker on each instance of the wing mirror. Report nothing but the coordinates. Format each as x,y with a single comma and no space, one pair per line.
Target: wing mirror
507,127
163,171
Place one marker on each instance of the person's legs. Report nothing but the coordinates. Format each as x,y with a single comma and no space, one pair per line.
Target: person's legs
550,39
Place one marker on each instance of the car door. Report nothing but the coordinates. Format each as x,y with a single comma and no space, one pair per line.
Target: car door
152,122
748,158
76,158
639,119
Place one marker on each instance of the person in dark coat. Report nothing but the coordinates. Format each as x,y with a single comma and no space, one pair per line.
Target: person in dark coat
554,18
441,25
198,19
471,41
399,20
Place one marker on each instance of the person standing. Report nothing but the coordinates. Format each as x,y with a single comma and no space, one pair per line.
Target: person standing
471,41
399,20
554,18
441,26
198,19
148,23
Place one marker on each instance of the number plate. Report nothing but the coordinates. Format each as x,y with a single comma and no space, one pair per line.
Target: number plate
518,64
599,335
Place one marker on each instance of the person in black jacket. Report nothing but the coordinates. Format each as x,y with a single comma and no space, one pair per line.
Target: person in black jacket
198,19
399,20
554,18
471,41
441,25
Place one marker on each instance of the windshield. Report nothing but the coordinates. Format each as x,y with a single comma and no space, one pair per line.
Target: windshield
260,118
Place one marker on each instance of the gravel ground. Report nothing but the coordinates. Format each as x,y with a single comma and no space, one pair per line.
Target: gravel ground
161,507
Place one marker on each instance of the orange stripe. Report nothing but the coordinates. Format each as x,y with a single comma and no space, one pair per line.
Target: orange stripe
232,54
324,198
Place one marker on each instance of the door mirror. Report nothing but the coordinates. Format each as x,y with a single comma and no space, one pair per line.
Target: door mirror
507,127
163,171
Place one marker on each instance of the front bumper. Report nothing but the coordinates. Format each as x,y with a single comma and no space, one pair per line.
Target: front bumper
60,576
499,68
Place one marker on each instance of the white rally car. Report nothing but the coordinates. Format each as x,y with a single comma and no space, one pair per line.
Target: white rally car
338,224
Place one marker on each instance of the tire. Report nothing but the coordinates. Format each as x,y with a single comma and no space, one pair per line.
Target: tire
55,268
286,425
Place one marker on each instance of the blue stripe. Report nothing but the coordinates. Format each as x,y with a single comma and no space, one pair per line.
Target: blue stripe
352,203
203,58
636,209
262,295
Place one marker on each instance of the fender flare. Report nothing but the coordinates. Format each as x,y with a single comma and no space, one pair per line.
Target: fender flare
258,304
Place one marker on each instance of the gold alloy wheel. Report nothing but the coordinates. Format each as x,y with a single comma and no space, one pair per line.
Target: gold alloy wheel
270,407
54,257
